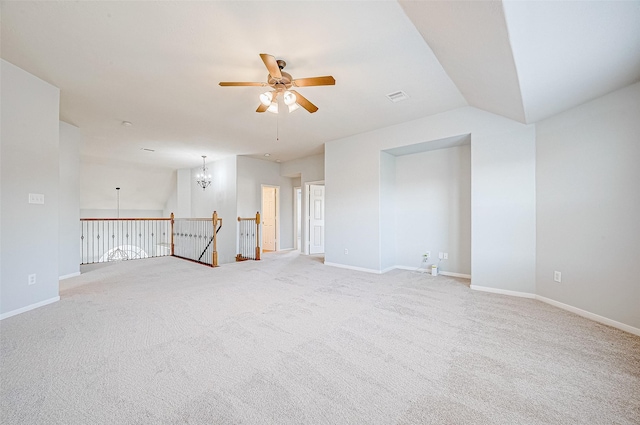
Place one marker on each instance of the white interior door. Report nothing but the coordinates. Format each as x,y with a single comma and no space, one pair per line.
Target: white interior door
269,218
316,219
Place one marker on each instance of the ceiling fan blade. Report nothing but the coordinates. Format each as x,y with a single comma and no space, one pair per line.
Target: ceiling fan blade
302,101
231,84
315,81
272,65
262,108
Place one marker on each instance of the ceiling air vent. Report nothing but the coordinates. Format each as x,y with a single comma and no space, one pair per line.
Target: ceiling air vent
397,96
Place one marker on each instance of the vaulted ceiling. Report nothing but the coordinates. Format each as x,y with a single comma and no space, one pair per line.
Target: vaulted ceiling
158,65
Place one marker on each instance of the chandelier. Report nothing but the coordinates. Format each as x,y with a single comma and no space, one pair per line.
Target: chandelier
118,254
203,179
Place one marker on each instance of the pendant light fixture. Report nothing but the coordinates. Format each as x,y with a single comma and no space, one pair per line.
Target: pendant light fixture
118,254
203,179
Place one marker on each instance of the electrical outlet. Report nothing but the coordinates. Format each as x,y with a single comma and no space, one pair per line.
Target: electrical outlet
426,256
346,251
441,255
445,256
32,279
557,276
36,198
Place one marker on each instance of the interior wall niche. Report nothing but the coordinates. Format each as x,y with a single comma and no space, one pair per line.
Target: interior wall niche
426,197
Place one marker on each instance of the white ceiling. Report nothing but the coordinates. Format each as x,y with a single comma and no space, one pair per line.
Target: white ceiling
158,64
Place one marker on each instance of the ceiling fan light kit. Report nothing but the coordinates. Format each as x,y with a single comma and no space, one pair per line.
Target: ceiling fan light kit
281,82
273,108
266,98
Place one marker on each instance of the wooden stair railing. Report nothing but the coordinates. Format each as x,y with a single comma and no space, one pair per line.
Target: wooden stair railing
193,237
117,239
249,238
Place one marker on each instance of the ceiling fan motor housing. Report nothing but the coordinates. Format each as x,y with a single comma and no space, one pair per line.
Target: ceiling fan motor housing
285,81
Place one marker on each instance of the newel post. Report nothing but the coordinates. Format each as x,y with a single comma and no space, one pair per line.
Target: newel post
172,220
257,235
214,254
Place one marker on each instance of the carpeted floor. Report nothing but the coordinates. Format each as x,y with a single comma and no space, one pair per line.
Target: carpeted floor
288,340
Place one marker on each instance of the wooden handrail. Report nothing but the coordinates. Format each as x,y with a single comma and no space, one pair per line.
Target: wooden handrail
126,219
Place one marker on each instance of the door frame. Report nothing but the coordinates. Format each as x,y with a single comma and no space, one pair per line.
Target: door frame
277,208
307,212
297,210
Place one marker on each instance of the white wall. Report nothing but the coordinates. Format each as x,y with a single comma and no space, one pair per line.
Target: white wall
69,227
503,219
252,174
185,187
30,153
172,204
113,213
588,206
353,192
308,169
143,187
352,202
388,211
433,208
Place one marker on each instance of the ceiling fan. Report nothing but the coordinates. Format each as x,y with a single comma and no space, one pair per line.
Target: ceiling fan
281,82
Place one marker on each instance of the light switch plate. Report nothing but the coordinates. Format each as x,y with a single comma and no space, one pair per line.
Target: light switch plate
36,198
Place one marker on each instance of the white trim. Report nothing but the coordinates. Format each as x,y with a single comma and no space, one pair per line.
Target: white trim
297,213
29,307
452,274
67,276
589,315
503,291
359,269
428,271
388,269
306,213
567,307
412,269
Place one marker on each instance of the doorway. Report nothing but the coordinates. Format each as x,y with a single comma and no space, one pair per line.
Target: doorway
270,196
316,219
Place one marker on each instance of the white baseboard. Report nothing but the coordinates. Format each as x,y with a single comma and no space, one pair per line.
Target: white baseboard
567,307
413,269
452,274
503,291
67,276
589,315
29,307
388,269
359,269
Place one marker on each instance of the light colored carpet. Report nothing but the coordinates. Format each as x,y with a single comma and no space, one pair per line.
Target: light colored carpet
288,340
